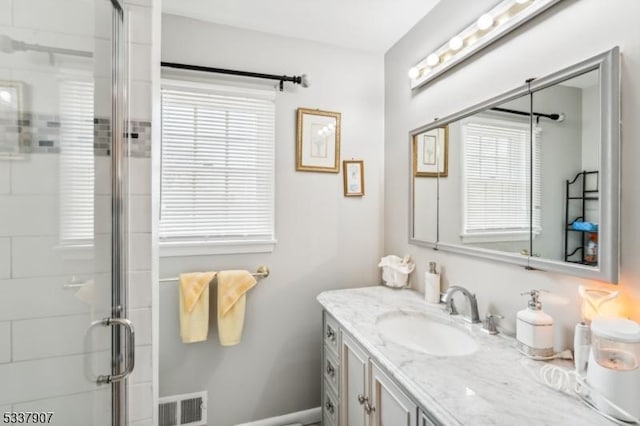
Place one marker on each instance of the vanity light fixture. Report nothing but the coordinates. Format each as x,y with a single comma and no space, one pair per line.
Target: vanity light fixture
456,43
485,21
489,27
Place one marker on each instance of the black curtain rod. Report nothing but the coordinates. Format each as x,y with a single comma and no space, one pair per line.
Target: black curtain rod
554,117
296,79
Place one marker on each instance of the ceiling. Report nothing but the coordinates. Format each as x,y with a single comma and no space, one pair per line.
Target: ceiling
372,25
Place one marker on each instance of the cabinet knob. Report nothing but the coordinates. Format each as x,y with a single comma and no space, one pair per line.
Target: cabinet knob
329,407
331,334
362,399
330,369
368,408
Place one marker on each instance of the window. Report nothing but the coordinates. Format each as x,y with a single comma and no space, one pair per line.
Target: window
497,180
77,167
217,185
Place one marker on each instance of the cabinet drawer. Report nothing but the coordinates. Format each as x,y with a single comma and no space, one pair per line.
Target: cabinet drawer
331,370
331,334
330,406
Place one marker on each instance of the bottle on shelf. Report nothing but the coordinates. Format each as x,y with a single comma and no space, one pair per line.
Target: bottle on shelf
592,249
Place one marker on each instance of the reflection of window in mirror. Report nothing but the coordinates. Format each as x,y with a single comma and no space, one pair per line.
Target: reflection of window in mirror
496,159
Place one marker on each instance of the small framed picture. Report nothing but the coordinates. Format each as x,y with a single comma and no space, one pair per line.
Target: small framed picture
431,152
353,173
318,141
11,98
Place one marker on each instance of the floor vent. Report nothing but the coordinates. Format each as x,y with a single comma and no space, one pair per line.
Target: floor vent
183,410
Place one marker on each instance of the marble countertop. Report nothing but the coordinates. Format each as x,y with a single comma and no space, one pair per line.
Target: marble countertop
493,386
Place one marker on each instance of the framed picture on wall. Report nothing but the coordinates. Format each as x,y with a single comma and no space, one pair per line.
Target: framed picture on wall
353,174
11,93
318,141
431,153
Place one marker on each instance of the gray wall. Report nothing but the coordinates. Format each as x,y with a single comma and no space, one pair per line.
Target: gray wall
325,241
568,33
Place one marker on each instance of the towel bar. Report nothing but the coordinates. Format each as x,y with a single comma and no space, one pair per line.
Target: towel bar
261,272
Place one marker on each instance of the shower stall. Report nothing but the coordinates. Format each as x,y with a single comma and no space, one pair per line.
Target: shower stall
66,345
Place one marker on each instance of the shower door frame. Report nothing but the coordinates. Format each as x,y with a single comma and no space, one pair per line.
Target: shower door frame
122,351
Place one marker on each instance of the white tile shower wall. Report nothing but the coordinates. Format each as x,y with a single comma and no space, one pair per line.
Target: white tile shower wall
73,410
140,402
28,215
143,371
5,258
5,12
57,336
53,299
24,181
139,214
34,342
139,295
141,392
140,251
53,259
495,70
64,376
5,179
141,318
5,342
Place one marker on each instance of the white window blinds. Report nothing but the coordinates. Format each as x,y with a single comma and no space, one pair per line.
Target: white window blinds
77,166
217,164
497,177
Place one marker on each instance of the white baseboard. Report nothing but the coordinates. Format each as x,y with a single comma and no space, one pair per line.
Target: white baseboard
306,417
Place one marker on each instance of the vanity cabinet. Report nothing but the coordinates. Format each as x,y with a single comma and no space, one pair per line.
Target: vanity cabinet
363,395
330,372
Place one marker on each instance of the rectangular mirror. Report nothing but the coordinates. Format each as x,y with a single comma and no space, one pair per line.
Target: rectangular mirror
530,177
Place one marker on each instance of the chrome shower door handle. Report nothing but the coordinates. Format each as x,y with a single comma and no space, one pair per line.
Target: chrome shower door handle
131,354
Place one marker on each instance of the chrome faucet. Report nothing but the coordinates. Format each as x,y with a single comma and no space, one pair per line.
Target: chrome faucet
473,303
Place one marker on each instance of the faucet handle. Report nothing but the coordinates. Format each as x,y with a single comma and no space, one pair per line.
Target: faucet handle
489,325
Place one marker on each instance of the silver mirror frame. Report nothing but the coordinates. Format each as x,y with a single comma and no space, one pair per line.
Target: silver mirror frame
608,64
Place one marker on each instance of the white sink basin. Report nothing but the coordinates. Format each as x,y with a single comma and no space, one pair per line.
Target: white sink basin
420,333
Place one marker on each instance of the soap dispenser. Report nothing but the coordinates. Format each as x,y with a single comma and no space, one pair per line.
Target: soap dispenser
432,284
534,329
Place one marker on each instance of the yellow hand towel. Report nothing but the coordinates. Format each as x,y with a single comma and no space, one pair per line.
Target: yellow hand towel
194,306
232,289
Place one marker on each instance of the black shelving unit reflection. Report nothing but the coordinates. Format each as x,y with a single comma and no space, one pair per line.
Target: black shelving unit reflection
578,254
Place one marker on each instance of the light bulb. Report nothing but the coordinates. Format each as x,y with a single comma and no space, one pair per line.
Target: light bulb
414,72
433,60
485,21
456,43
5,96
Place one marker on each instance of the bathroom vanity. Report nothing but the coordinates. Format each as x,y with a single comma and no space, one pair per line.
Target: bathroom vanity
391,359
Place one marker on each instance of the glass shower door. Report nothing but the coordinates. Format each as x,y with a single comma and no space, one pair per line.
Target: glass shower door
64,342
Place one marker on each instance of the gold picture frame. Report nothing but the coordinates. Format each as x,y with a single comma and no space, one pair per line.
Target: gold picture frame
353,178
426,147
11,110
317,141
